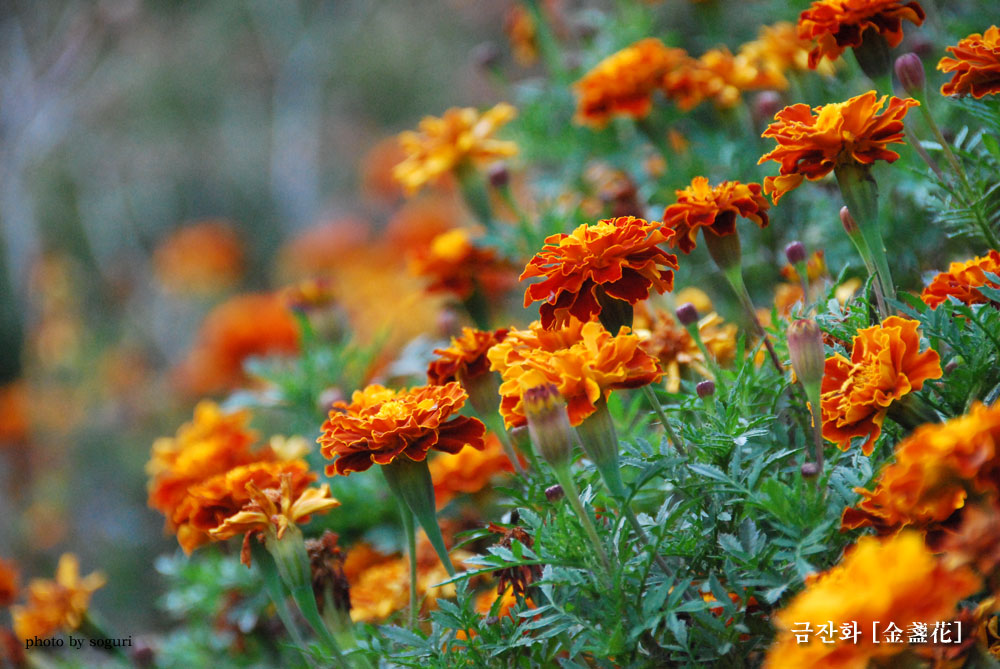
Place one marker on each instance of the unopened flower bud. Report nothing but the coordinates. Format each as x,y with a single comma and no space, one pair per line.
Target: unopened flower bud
795,253
765,105
809,470
499,175
520,438
486,55
705,388
850,225
910,72
548,424
687,314
805,348
554,493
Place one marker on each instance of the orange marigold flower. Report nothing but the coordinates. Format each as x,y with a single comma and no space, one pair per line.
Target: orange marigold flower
936,469
918,588
208,504
815,268
720,76
519,26
8,583
453,264
886,364
58,604
668,341
623,83
714,208
961,281
212,443
465,358
380,425
468,471
273,507
460,138
203,257
242,327
779,49
812,142
583,360
617,258
836,25
976,65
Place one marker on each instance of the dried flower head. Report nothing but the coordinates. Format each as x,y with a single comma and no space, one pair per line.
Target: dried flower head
962,280
812,142
380,425
836,25
623,84
518,578
56,605
329,580
583,360
713,208
918,588
975,68
462,137
936,470
886,364
615,258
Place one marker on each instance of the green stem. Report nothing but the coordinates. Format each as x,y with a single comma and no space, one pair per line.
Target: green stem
860,194
275,590
474,192
411,553
572,496
735,277
411,482
654,400
713,364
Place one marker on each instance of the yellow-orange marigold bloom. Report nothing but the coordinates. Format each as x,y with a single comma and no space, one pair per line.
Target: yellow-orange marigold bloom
714,208
453,264
8,583
720,76
836,25
623,83
242,327
465,358
55,605
519,26
812,142
460,137
201,257
976,65
961,281
273,507
936,469
886,364
617,258
779,49
583,360
380,425
468,471
208,504
212,443
668,341
861,589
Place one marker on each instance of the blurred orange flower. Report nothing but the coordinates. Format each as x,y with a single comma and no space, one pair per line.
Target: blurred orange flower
256,324
519,26
720,76
465,358
779,49
203,257
861,589
60,604
714,208
8,583
207,505
320,249
668,341
212,443
14,403
583,360
462,137
380,424
815,268
617,258
454,265
623,83
886,364
812,142
468,471
976,65
276,507
961,281
377,182
935,471
836,25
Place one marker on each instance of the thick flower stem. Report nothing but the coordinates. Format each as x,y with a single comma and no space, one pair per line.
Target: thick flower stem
411,553
411,482
735,277
860,194
484,396
813,394
655,401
